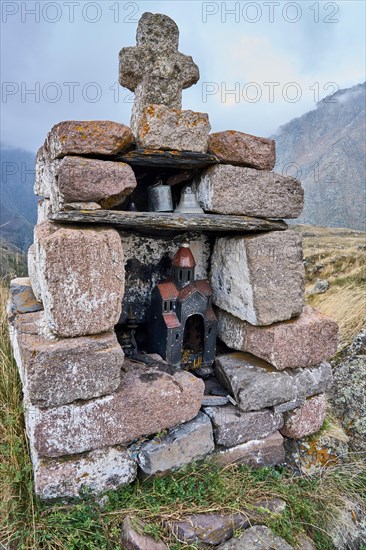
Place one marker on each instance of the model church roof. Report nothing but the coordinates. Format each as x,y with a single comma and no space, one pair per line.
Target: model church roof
184,257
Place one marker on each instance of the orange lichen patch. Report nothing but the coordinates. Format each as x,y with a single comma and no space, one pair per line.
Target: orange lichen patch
86,137
26,298
174,117
320,455
239,148
321,451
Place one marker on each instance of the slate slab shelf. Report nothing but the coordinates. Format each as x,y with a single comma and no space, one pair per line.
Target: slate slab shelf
168,159
155,221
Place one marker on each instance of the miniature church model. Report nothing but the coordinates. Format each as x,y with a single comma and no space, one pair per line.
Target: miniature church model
182,322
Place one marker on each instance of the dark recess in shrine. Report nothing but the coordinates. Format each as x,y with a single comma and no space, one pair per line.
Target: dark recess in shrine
182,326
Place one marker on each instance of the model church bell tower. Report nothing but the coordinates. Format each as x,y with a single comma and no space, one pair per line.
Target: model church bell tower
183,325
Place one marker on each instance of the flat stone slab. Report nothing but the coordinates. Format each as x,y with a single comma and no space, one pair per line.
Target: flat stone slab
168,159
161,221
58,371
257,453
133,539
256,384
301,342
213,529
258,537
215,400
307,419
236,190
22,296
181,445
259,278
148,401
240,149
81,206
98,471
172,129
233,427
81,277
90,180
88,137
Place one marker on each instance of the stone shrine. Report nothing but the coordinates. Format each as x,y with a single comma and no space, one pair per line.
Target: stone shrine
88,324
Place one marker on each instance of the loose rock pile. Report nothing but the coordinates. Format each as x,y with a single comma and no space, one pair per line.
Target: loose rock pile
95,418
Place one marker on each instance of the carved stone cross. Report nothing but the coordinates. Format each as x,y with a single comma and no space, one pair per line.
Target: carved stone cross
154,69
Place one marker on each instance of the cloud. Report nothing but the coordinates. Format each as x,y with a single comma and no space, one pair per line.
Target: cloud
228,52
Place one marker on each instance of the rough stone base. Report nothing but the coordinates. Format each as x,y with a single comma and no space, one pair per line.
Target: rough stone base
257,453
234,190
97,471
256,384
81,277
349,389
133,539
181,445
147,402
240,149
259,279
162,128
233,427
258,537
212,529
58,371
307,419
297,343
322,450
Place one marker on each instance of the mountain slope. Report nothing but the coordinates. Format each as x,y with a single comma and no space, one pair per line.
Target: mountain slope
18,204
327,149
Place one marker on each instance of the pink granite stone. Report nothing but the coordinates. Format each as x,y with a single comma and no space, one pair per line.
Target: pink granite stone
305,420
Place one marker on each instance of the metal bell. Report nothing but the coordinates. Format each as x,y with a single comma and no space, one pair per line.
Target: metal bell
160,198
188,203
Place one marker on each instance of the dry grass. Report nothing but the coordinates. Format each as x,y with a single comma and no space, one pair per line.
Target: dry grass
16,489
337,255
346,305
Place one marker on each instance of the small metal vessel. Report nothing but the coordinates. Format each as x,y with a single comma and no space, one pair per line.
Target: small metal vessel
160,198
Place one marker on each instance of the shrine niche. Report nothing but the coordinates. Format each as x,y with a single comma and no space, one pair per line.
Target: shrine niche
182,323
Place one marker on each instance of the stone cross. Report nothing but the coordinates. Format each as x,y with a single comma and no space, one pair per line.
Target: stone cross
154,69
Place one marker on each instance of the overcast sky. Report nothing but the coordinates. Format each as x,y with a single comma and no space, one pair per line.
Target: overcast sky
59,60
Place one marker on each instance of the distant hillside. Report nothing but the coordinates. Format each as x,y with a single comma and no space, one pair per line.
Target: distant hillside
13,262
328,146
18,204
